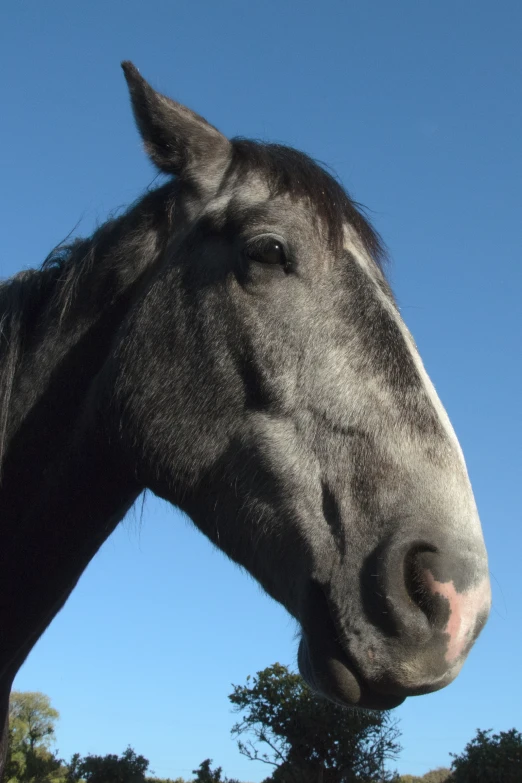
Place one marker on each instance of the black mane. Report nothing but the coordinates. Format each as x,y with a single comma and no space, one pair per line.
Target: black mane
75,273
21,300
114,243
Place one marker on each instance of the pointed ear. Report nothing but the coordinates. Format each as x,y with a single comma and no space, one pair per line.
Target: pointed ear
177,139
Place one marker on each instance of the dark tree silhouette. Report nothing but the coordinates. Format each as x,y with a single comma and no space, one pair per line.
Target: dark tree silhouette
307,738
489,758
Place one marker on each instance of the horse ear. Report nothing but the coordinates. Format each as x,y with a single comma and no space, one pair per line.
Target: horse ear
177,140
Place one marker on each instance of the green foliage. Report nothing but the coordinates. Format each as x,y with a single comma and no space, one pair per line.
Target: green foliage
489,758
307,738
205,774
31,731
31,719
439,775
35,766
127,768
165,780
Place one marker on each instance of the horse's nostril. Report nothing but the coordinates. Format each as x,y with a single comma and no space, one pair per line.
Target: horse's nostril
396,597
425,598
420,560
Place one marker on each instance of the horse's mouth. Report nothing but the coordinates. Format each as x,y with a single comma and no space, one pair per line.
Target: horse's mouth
328,671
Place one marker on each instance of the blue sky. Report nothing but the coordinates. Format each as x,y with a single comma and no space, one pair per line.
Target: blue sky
418,108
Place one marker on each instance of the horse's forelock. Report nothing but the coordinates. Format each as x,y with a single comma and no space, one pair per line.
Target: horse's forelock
287,170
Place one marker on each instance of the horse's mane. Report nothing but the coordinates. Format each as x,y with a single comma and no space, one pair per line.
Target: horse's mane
31,296
20,298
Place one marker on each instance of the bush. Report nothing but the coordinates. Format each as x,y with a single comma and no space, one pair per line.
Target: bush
489,758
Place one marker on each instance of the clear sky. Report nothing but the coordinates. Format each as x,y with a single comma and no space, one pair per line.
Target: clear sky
417,106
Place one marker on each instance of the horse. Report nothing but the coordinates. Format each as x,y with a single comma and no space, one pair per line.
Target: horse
231,343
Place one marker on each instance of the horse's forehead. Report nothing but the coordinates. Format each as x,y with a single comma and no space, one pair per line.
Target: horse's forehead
250,189
239,195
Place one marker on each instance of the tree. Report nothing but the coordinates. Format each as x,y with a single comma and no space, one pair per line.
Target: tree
439,775
32,721
204,774
489,758
165,780
306,738
127,768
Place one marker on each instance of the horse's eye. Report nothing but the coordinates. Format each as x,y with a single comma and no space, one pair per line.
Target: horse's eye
266,250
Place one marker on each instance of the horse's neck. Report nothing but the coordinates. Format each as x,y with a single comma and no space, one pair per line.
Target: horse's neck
4,726
43,556
63,488
45,552
63,492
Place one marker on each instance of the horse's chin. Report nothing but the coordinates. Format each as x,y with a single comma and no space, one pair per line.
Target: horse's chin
328,671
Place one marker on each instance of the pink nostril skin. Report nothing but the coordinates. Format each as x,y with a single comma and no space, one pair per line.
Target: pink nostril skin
468,612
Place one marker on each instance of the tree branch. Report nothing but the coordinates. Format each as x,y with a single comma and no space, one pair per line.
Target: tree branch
253,754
